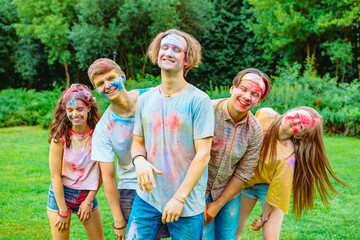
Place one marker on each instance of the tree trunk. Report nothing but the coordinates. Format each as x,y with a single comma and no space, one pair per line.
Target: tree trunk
67,75
307,48
337,68
344,71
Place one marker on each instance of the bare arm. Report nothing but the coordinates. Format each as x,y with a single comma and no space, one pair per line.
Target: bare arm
110,187
175,205
144,169
55,162
212,209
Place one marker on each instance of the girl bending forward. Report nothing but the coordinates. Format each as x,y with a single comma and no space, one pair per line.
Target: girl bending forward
292,159
74,176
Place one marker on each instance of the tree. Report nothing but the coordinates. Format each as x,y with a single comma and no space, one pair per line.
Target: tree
295,29
229,46
50,22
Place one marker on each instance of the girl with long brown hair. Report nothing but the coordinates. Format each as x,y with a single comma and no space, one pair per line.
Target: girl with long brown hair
75,178
292,159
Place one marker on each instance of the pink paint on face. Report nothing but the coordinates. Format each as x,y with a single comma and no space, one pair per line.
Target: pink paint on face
245,96
172,53
297,121
76,111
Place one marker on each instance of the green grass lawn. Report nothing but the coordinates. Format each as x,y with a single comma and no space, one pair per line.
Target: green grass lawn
25,179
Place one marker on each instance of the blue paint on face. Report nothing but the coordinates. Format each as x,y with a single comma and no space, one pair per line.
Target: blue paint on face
117,83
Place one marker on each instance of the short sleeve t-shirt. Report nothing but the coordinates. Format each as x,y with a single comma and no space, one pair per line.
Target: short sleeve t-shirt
114,134
78,170
169,127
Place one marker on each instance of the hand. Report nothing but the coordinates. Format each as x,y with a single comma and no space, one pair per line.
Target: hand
84,212
211,210
63,223
172,210
257,224
120,234
144,173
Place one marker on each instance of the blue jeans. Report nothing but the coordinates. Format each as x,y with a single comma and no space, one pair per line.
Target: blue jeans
258,191
127,197
145,223
224,225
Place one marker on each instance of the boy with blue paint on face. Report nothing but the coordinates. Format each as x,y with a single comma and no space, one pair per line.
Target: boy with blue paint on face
113,134
174,125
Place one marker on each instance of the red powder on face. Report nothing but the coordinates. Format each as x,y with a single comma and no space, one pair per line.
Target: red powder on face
307,121
294,130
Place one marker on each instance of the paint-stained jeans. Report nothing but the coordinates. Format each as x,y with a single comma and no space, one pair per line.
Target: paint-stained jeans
224,225
127,197
145,223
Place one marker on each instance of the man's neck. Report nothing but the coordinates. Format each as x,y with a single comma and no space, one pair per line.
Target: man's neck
125,105
172,81
235,115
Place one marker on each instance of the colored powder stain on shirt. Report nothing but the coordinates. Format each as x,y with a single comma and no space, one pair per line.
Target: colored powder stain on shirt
291,162
111,126
157,124
173,122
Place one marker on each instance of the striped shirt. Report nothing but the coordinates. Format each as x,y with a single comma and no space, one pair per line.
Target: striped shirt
235,149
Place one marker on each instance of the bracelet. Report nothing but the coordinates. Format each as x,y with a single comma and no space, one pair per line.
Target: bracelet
136,156
119,227
68,213
262,219
177,199
91,204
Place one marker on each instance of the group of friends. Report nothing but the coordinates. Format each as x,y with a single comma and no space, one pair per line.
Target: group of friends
188,167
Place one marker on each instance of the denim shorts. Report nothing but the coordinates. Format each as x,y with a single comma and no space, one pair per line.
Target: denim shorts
258,191
127,197
73,199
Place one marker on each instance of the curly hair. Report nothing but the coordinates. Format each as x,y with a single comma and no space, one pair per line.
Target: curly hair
61,125
311,164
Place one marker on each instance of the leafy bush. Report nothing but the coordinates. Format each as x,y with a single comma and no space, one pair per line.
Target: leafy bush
339,104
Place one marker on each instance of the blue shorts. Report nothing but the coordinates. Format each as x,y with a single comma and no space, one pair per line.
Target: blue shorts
127,197
258,191
73,199
145,222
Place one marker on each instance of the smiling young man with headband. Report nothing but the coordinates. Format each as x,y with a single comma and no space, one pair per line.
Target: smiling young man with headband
174,125
235,152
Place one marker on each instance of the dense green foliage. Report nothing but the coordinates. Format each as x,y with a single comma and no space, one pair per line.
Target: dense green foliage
45,43
338,103
26,178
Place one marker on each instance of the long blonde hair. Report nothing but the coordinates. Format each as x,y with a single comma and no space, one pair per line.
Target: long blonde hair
311,165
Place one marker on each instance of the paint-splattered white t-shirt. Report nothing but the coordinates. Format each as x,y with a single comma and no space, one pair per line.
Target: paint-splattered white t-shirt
169,127
114,134
78,170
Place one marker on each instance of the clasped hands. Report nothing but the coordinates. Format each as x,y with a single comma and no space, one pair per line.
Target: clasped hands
145,177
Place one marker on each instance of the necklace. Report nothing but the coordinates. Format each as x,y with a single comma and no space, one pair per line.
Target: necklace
169,94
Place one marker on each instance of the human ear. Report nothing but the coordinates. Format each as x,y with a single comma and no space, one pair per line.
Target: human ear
231,90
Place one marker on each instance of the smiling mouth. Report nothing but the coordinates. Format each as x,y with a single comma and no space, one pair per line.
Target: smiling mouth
111,91
168,60
243,103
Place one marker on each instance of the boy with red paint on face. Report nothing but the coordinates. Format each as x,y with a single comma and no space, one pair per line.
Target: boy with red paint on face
235,152
174,125
113,134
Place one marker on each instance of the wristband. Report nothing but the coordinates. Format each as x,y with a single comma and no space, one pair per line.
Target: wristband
177,199
91,204
136,156
262,219
64,216
119,227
